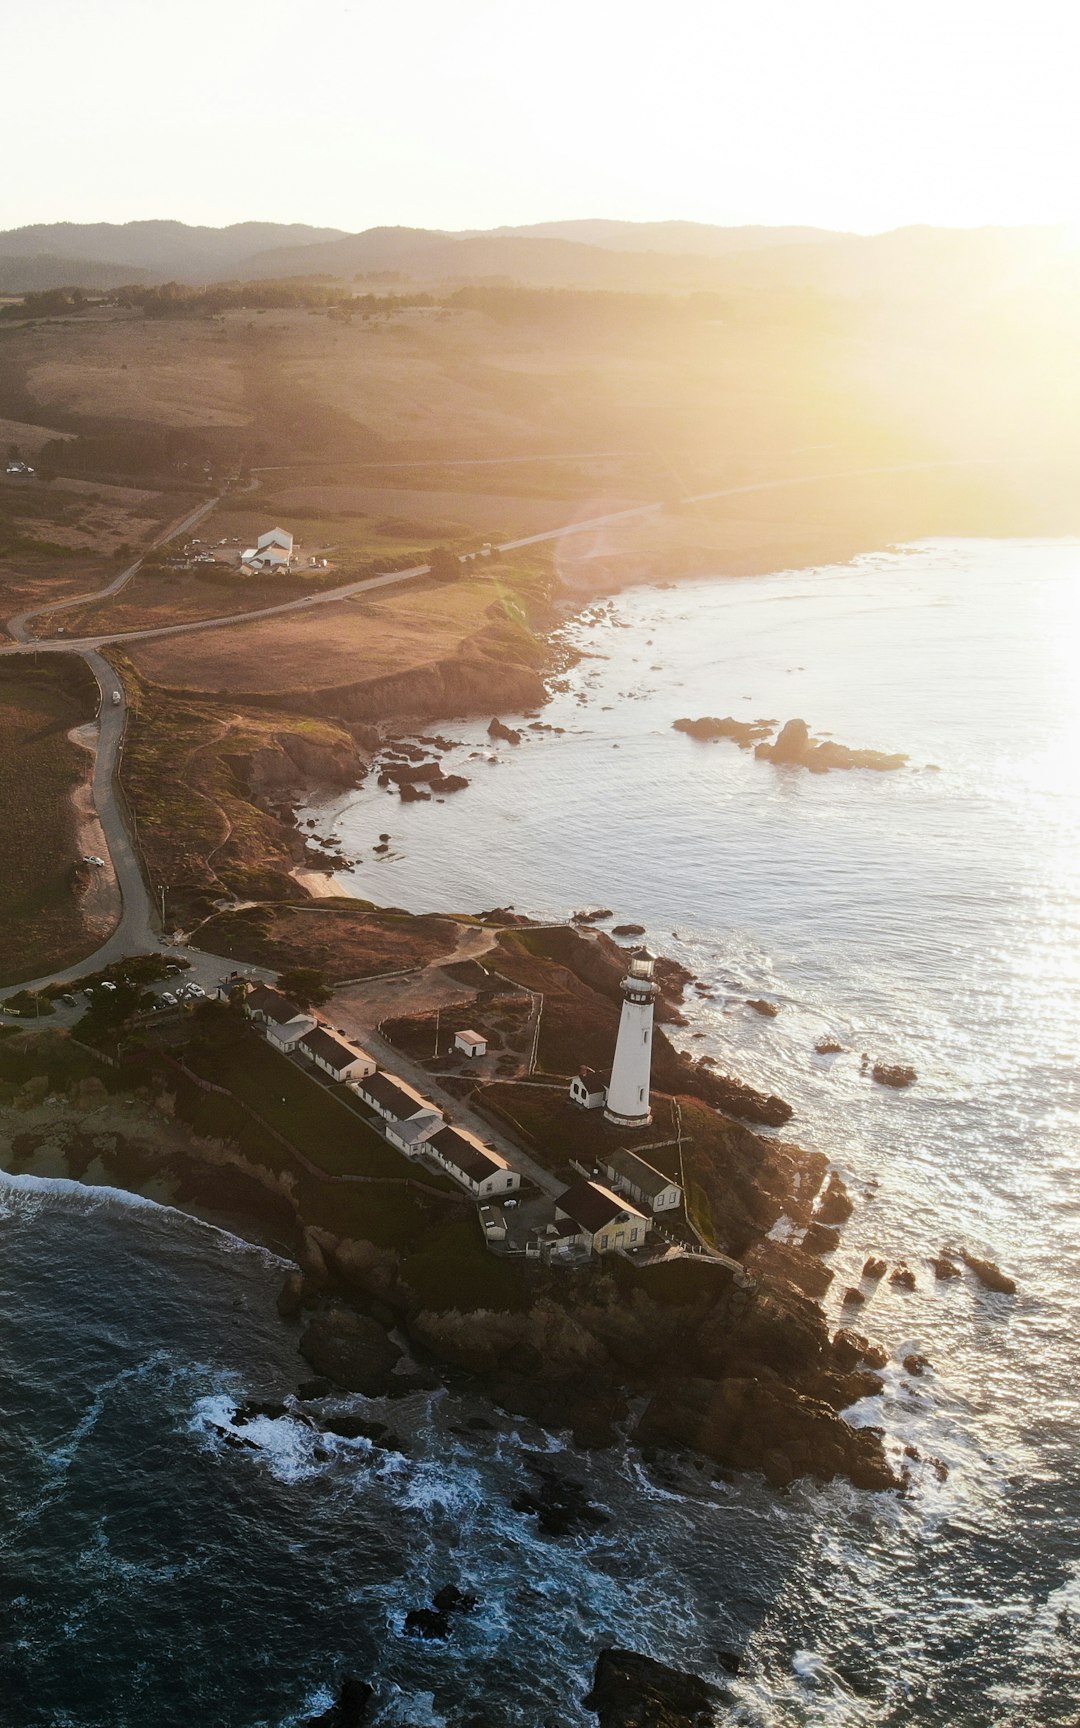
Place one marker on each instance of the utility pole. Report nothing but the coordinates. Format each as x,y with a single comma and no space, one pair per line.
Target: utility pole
438,1017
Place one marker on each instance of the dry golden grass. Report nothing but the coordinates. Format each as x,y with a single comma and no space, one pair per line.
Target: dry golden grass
345,642
126,368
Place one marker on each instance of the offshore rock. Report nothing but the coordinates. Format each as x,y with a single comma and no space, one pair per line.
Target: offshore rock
944,1268
760,1006
989,1274
895,1074
632,1691
795,747
875,1268
497,729
351,1709
828,1047
709,728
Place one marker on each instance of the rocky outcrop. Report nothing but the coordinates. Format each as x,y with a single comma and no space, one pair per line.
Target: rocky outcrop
835,1205
795,747
733,1097
297,759
351,1708
747,1424
761,1005
351,1350
708,729
632,1691
944,1268
895,1074
498,729
989,1274
828,1047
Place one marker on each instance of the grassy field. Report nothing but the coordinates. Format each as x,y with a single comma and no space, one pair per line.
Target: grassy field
70,537
41,922
373,636
342,941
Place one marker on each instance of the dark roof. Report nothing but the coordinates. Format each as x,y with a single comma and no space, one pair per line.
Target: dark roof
594,1079
273,1004
385,1091
328,1048
592,1206
634,1169
465,1155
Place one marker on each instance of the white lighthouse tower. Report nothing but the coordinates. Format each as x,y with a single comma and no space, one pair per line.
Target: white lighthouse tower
628,1088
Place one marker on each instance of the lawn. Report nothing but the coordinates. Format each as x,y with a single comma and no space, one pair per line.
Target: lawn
41,921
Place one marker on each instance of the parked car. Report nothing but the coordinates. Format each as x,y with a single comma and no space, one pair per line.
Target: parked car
168,999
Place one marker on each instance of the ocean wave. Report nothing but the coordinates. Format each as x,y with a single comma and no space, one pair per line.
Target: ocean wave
25,1197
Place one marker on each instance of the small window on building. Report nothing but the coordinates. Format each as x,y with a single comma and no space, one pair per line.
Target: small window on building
603,1241
633,1235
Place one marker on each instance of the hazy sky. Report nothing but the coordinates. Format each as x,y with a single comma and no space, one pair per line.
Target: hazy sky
467,113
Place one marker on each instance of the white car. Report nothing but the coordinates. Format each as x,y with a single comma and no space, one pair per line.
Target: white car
168,999
195,990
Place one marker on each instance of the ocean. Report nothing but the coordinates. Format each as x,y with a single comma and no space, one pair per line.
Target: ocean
932,916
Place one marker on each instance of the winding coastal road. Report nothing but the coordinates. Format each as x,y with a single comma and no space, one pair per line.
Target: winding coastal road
139,930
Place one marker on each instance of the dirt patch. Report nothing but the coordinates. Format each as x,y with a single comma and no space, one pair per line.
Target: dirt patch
342,942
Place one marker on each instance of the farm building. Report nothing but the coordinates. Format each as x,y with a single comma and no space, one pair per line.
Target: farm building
272,551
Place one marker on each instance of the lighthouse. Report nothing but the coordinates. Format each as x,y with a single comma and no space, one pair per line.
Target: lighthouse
628,1089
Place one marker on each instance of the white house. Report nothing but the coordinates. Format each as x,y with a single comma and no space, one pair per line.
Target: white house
340,1060
598,1219
472,1043
272,551
629,1174
392,1099
477,1167
589,1089
283,1022
409,1137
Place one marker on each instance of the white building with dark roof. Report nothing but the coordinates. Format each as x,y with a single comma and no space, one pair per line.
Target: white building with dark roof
478,1168
629,1174
392,1099
283,1022
341,1060
598,1219
589,1089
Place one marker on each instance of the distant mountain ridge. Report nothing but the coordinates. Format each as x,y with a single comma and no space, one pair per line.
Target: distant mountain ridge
656,257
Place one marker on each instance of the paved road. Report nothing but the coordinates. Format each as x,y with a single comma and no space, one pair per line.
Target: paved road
20,626
330,595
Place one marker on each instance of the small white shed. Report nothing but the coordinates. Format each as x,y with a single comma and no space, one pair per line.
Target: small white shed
472,1043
